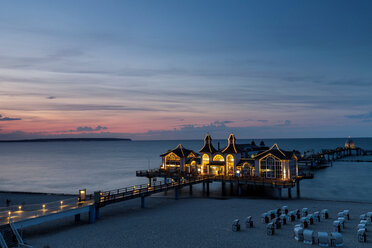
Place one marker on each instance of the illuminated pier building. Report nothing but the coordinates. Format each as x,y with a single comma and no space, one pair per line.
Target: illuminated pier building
233,160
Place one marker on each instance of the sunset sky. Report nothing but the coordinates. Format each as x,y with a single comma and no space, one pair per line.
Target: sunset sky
179,69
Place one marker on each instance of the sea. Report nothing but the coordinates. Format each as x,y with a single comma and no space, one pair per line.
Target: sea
66,167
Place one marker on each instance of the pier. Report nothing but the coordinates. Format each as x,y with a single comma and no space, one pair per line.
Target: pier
325,157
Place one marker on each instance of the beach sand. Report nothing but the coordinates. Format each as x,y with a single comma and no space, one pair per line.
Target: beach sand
191,221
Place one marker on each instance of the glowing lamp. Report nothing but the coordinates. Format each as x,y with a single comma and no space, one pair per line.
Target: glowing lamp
9,213
43,206
19,208
82,195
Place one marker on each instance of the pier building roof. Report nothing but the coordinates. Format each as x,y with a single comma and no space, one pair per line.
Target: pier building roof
275,151
231,146
181,152
208,147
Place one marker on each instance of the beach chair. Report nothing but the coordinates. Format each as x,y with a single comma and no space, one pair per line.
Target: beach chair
304,212
298,232
340,214
304,222
272,214
265,218
277,223
323,239
283,219
342,222
363,217
278,212
298,214
336,239
236,225
285,209
337,226
317,216
347,214
248,222
362,236
369,217
270,229
365,222
310,217
308,237
292,216
362,226
324,213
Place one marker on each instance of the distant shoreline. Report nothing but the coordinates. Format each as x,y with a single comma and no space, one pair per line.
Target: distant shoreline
65,139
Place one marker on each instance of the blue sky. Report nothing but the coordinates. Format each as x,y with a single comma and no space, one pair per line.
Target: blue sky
178,69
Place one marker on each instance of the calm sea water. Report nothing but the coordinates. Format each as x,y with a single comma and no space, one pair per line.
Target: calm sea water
65,167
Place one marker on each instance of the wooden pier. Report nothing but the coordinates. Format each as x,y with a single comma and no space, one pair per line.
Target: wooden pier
325,157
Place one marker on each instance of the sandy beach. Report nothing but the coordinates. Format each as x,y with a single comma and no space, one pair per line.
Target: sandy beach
191,221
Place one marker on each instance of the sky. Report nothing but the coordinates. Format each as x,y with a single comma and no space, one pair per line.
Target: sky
180,69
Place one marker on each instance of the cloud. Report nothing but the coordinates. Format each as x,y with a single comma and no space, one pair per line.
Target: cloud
263,121
222,122
88,129
51,97
366,116
85,129
9,118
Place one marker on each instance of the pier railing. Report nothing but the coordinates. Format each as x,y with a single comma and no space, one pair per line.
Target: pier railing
28,211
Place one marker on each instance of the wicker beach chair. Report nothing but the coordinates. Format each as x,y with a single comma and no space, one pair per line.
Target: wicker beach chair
298,213
362,226
265,218
283,219
248,222
362,236
363,217
308,237
347,214
336,239
323,239
310,217
291,216
342,221
304,212
304,222
285,209
270,230
324,213
317,216
369,217
236,225
337,226
298,232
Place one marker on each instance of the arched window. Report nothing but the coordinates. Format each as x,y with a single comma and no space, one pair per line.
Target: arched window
205,162
218,158
230,165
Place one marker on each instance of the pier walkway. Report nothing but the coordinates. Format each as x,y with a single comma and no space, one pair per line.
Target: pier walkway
28,215
323,158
